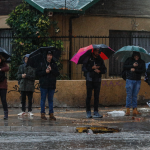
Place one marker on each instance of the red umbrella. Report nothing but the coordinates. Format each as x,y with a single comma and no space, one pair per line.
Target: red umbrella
85,52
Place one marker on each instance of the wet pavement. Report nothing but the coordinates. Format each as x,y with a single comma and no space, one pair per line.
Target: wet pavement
32,133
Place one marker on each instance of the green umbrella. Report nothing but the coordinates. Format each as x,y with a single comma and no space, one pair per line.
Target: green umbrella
127,51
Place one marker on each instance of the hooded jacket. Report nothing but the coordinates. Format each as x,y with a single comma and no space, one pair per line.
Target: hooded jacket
27,83
139,70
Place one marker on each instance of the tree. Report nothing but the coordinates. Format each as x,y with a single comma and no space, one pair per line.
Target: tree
30,31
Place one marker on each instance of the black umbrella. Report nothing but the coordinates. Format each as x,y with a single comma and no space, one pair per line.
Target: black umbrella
4,53
39,56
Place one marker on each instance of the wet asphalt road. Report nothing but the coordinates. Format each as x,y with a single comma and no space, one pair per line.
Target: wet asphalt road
30,133
75,141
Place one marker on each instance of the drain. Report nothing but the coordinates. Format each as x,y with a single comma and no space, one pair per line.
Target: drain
97,130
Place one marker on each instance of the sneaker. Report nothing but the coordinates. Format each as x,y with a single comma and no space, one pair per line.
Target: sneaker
88,114
30,113
97,115
148,103
22,113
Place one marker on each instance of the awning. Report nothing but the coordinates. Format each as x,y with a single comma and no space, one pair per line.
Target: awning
68,6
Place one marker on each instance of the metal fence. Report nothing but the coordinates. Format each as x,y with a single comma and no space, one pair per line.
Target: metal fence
72,44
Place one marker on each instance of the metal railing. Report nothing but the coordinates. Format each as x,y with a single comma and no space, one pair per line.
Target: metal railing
72,44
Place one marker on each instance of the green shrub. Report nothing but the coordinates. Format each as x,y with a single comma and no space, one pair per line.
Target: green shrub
30,32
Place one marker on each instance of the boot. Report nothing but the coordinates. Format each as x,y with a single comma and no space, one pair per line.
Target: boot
43,116
5,115
135,112
51,117
127,112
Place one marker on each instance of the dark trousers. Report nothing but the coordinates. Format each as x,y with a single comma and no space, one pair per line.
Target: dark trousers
90,86
3,99
23,100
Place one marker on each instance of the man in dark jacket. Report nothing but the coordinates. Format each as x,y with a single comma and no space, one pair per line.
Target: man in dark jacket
92,71
134,67
26,79
48,74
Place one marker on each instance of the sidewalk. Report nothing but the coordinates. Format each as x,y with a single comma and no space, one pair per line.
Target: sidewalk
70,118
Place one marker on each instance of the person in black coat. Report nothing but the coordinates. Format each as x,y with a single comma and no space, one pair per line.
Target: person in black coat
134,67
47,75
93,70
148,80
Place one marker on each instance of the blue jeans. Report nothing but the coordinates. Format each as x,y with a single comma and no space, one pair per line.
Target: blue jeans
44,93
132,90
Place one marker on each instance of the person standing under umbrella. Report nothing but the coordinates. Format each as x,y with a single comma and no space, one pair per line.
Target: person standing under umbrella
3,85
134,67
92,71
47,73
26,79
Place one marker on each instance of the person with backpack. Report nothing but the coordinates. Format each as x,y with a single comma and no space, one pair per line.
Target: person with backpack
147,78
134,67
3,85
26,79
47,73
93,70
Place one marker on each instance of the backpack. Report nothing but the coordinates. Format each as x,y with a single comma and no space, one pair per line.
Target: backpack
147,77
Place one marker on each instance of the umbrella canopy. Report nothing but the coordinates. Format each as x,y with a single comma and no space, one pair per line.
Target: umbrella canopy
127,51
39,55
84,53
4,53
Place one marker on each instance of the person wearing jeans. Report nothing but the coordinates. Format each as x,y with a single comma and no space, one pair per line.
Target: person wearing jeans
93,70
134,67
47,73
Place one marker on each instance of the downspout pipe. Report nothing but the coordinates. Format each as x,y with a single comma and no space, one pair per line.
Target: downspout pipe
70,41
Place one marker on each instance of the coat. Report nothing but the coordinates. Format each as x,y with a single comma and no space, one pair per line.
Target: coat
139,70
89,73
4,68
26,84
148,74
48,80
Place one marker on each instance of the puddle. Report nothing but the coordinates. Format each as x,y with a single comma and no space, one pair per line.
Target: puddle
97,130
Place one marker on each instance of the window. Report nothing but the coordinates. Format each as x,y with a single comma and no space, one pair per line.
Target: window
119,39
5,39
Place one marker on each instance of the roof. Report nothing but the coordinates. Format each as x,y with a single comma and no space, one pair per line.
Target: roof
69,6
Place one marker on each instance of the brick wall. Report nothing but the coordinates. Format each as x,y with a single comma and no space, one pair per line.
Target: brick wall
6,6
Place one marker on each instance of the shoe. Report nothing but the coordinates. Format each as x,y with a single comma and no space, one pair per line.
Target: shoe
135,112
127,112
5,115
88,114
30,113
43,116
148,103
51,117
97,115
22,113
